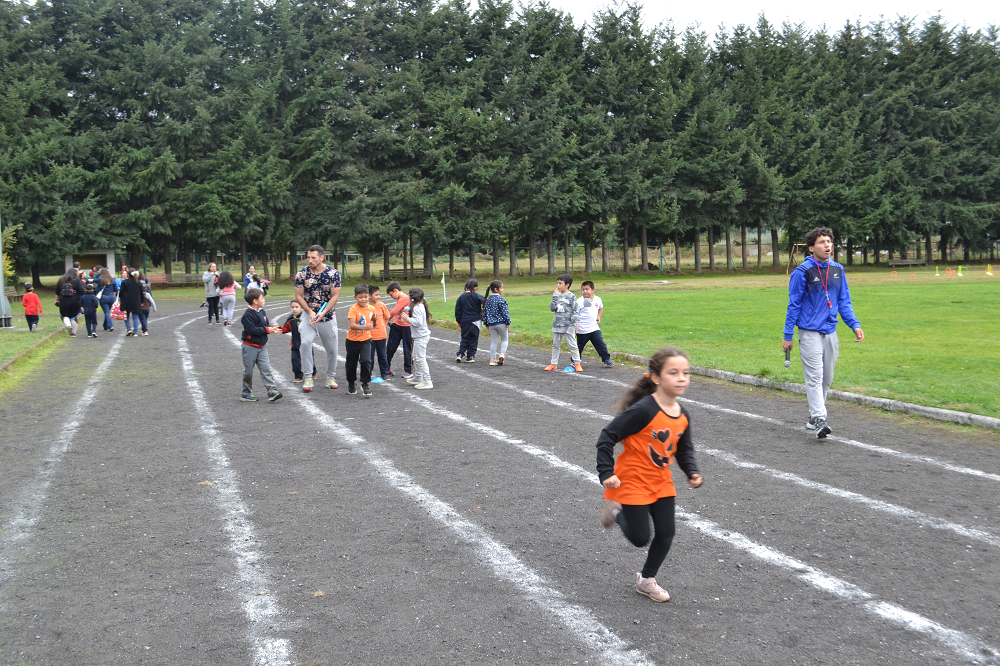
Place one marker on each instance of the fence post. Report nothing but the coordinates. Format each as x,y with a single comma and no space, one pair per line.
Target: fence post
661,258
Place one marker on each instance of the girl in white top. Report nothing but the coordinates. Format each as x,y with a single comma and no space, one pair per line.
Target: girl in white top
417,315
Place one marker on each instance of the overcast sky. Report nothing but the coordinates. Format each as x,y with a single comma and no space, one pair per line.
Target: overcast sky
710,14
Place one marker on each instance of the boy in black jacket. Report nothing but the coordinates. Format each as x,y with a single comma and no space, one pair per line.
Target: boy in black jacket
255,330
90,304
468,316
291,325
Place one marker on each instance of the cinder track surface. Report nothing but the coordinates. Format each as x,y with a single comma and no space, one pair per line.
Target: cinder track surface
149,517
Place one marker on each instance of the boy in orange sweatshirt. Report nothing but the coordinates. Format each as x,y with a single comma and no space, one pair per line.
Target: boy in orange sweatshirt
32,306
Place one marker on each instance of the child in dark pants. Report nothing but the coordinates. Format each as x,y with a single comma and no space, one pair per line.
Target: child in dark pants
359,341
379,333
654,430
89,305
291,325
589,308
32,306
469,316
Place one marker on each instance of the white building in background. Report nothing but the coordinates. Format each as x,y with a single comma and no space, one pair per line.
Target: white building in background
90,258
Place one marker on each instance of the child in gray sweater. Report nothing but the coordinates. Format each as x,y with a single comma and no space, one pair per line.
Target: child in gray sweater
564,322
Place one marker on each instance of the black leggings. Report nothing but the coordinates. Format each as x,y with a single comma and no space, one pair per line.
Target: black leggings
635,526
213,307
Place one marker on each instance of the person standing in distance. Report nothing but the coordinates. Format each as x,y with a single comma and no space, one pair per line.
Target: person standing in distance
817,291
317,285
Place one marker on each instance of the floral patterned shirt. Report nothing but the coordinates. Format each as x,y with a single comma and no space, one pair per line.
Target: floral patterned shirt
317,288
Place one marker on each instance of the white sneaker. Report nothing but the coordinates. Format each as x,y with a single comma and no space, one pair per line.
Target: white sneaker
647,587
424,385
412,381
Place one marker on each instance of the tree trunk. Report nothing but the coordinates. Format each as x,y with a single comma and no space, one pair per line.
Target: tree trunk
711,248
244,261
496,258
531,255
187,256
263,266
644,253
168,264
697,250
512,251
850,252
451,262
366,261
588,260
929,247
472,261
551,250
36,275
878,254
293,262
864,255
409,243
743,245
918,252
729,248
405,273
604,253
625,267
760,247
135,257
775,250
890,254
566,252
902,253
677,251
385,260
428,259
965,252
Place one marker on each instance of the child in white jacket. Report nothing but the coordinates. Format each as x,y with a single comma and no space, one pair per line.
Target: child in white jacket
417,317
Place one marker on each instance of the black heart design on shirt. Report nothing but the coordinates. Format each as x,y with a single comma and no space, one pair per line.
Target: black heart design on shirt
662,435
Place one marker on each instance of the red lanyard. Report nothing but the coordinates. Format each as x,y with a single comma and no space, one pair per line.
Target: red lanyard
825,282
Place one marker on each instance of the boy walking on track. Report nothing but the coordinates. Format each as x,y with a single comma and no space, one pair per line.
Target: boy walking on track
817,291
317,289
360,322
399,330
564,317
255,330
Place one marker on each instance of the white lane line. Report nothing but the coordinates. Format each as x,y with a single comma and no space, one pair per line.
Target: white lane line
886,507
970,647
27,507
505,564
253,577
926,460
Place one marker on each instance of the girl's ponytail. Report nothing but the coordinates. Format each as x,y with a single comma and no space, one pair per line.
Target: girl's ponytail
645,386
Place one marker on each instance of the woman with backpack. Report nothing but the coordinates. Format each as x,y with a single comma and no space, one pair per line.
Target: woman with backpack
69,290
130,295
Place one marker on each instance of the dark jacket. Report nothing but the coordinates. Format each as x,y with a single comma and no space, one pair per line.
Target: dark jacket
69,306
130,295
254,327
89,303
468,308
110,290
291,325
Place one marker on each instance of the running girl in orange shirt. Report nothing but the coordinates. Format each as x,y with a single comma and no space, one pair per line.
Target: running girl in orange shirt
655,430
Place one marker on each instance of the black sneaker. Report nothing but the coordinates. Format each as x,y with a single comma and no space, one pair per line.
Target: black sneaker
352,388
608,362
248,398
367,391
822,429
274,396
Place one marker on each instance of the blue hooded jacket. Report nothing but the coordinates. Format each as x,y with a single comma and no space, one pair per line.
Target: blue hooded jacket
807,304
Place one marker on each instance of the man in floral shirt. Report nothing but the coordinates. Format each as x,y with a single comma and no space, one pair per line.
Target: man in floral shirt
317,285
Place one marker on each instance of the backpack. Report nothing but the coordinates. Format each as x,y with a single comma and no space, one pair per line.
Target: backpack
67,290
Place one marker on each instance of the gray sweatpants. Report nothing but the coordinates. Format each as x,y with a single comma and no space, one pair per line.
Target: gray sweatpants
329,335
557,337
257,356
819,354
421,370
498,334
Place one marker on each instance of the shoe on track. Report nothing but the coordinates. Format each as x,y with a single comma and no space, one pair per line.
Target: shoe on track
307,384
412,381
578,367
811,423
332,384
352,388
608,363
297,380
424,385
407,375
248,398
500,359
470,359
389,373
492,362
210,322
647,587
145,332
366,391
822,429
550,367
609,513
458,359
274,396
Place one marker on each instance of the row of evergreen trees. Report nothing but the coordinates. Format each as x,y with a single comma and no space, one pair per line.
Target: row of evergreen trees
224,124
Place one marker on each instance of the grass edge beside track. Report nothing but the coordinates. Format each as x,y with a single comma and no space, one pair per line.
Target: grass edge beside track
18,367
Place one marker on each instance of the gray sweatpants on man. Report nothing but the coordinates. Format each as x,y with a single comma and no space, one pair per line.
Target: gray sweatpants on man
569,334
329,335
257,356
819,354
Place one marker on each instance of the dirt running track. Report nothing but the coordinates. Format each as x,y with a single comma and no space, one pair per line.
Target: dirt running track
149,517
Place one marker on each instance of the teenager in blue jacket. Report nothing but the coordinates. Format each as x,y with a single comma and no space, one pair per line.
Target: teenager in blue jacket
817,292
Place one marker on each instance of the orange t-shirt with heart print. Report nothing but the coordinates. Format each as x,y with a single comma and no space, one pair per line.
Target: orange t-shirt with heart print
652,440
